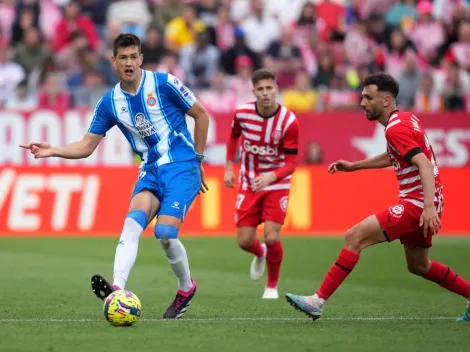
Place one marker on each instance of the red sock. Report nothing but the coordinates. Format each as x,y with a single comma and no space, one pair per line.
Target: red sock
345,263
254,248
273,263
445,277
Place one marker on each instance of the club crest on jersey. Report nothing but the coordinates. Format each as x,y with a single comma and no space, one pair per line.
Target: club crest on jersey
276,136
143,126
151,100
284,202
397,210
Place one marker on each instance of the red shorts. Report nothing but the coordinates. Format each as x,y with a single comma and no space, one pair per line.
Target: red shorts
401,221
254,208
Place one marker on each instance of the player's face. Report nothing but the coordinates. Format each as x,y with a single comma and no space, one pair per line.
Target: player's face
265,92
127,63
373,102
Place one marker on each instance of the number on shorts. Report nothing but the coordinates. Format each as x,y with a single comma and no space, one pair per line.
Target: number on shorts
240,199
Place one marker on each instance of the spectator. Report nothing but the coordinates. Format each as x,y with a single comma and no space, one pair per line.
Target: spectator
218,98
460,50
397,47
182,30
326,70
260,29
53,95
408,80
239,49
402,13
301,97
22,99
224,30
427,34
241,84
200,61
169,64
72,23
11,75
131,16
167,11
427,98
93,88
31,53
339,97
454,90
152,47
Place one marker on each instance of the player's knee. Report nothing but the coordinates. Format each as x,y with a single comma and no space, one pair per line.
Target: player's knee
165,232
353,240
271,237
139,216
420,268
244,241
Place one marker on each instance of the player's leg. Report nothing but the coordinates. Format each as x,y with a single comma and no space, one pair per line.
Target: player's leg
274,205
365,234
417,259
274,255
180,184
143,207
247,219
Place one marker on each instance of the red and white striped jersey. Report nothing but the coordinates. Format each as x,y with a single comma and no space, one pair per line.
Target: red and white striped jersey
265,142
405,139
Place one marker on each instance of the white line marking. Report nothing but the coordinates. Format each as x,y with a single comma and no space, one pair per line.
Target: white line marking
222,320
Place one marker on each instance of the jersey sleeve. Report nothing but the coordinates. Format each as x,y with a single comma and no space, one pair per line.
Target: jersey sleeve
236,127
291,136
179,94
402,138
102,120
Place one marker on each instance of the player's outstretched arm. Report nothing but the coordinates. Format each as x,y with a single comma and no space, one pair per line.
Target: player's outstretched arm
77,150
377,162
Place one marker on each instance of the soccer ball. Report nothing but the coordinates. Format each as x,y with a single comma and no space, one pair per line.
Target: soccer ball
122,308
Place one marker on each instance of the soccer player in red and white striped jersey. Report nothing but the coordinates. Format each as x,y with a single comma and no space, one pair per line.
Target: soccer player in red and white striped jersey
414,219
268,133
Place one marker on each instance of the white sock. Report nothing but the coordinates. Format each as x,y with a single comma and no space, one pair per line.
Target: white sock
126,251
178,259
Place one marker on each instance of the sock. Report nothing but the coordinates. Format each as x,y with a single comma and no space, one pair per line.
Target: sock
126,251
445,277
255,248
345,263
178,259
273,263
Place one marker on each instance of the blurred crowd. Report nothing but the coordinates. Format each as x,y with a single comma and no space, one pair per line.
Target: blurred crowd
56,53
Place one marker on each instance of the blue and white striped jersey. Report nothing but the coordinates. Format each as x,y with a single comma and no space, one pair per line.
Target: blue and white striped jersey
153,120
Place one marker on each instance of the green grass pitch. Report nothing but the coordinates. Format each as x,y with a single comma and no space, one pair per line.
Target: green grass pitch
47,304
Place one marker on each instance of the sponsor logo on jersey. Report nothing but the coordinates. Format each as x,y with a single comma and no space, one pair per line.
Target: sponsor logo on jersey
143,126
264,150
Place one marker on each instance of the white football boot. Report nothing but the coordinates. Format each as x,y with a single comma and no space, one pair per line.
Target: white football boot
270,293
258,264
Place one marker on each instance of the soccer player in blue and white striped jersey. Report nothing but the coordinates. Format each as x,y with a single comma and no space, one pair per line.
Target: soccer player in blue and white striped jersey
150,110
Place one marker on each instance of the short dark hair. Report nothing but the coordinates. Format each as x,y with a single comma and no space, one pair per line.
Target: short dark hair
125,40
261,74
384,83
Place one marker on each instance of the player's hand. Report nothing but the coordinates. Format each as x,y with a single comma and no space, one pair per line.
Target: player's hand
430,220
263,181
204,187
341,165
229,178
39,149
